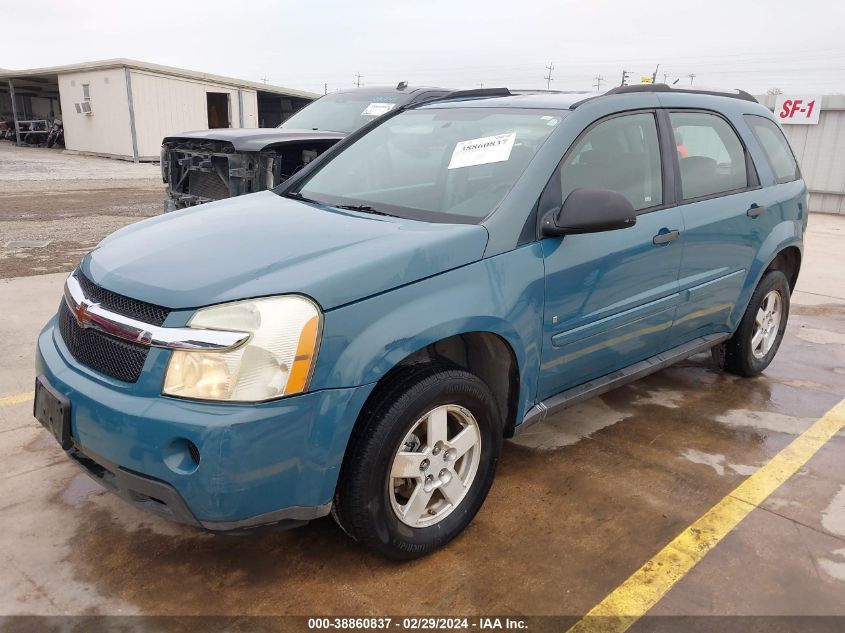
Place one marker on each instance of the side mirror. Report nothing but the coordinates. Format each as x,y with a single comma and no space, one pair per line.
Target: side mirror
590,211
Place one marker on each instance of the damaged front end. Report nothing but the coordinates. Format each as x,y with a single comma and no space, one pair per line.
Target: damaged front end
199,170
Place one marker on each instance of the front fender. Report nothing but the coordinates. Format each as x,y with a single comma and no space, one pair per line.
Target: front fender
502,295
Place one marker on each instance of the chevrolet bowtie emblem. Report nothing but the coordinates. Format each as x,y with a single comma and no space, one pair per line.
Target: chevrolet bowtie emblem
83,316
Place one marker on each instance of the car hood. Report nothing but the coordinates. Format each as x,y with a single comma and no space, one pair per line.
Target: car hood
262,244
256,139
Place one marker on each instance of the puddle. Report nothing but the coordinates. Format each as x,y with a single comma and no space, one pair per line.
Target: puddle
805,384
717,462
833,517
79,489
821,337
834,568
570,426
833,520
765,420
668,398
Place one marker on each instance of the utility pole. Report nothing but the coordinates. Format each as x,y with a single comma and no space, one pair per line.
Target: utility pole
264,78
625,75
548,77
325,88
691,77
481,84
654,75
665,77
358,79
598,79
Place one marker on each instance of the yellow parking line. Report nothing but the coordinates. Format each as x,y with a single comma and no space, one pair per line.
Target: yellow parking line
634,597
8,401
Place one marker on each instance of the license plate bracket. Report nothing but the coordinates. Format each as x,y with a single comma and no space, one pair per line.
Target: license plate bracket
52,410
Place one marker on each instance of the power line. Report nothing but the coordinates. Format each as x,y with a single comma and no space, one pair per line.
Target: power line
548,77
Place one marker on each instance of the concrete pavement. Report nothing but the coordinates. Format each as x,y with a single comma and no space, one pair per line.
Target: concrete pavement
580,502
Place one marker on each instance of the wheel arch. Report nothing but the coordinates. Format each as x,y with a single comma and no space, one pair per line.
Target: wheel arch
788,261
782,250
483,353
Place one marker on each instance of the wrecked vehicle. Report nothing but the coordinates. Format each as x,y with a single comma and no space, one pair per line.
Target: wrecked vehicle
209,165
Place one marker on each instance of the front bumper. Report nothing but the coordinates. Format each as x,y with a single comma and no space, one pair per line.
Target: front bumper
259,464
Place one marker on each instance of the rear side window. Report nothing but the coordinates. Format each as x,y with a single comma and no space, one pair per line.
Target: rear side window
776,147
711,156
621,154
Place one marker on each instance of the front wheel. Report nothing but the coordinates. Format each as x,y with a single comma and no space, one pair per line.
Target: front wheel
755,343
419,469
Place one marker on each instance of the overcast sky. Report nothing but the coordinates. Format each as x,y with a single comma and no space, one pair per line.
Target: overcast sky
795,46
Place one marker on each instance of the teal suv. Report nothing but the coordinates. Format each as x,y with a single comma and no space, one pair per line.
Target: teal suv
359,340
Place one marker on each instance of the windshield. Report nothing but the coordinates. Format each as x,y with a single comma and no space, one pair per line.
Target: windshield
342,112
440,165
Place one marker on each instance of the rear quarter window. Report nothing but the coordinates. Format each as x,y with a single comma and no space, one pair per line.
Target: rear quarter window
775,146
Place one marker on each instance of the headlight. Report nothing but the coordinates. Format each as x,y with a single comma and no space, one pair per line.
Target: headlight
277,360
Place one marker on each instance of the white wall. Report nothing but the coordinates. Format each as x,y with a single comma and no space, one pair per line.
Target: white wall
820,151
165,106
107,130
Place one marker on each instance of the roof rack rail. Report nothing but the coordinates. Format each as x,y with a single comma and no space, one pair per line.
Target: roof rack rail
736,94
478,92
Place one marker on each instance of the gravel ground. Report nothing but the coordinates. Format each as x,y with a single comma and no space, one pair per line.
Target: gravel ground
72,201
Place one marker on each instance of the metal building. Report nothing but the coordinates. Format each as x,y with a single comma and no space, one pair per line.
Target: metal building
820,150
122,108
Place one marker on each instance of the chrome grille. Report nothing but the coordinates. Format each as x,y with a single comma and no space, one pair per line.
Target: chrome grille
102,353
134,309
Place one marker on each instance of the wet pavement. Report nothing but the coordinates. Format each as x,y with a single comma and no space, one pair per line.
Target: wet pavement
579,503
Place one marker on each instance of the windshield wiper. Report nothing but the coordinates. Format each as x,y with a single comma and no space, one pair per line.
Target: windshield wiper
298,196
365,208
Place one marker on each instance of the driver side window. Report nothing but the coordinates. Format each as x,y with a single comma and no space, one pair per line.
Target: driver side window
621,154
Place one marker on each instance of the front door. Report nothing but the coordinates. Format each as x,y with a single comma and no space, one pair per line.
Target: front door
611,297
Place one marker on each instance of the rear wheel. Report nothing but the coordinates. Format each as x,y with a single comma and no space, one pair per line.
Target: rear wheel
755,343
419,469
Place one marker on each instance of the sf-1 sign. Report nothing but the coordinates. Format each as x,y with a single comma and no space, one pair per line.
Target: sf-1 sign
798,110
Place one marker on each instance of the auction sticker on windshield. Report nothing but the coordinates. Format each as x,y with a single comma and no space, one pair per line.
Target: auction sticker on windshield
377,109
480,151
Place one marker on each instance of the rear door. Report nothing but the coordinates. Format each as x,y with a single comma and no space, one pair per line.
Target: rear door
724,215
611,297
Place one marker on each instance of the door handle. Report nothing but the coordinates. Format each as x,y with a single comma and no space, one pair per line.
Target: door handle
665,238
754,211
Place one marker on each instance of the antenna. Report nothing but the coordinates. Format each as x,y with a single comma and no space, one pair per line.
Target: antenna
654,75
549,79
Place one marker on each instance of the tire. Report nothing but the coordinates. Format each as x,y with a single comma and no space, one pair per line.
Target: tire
369,502
742,354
